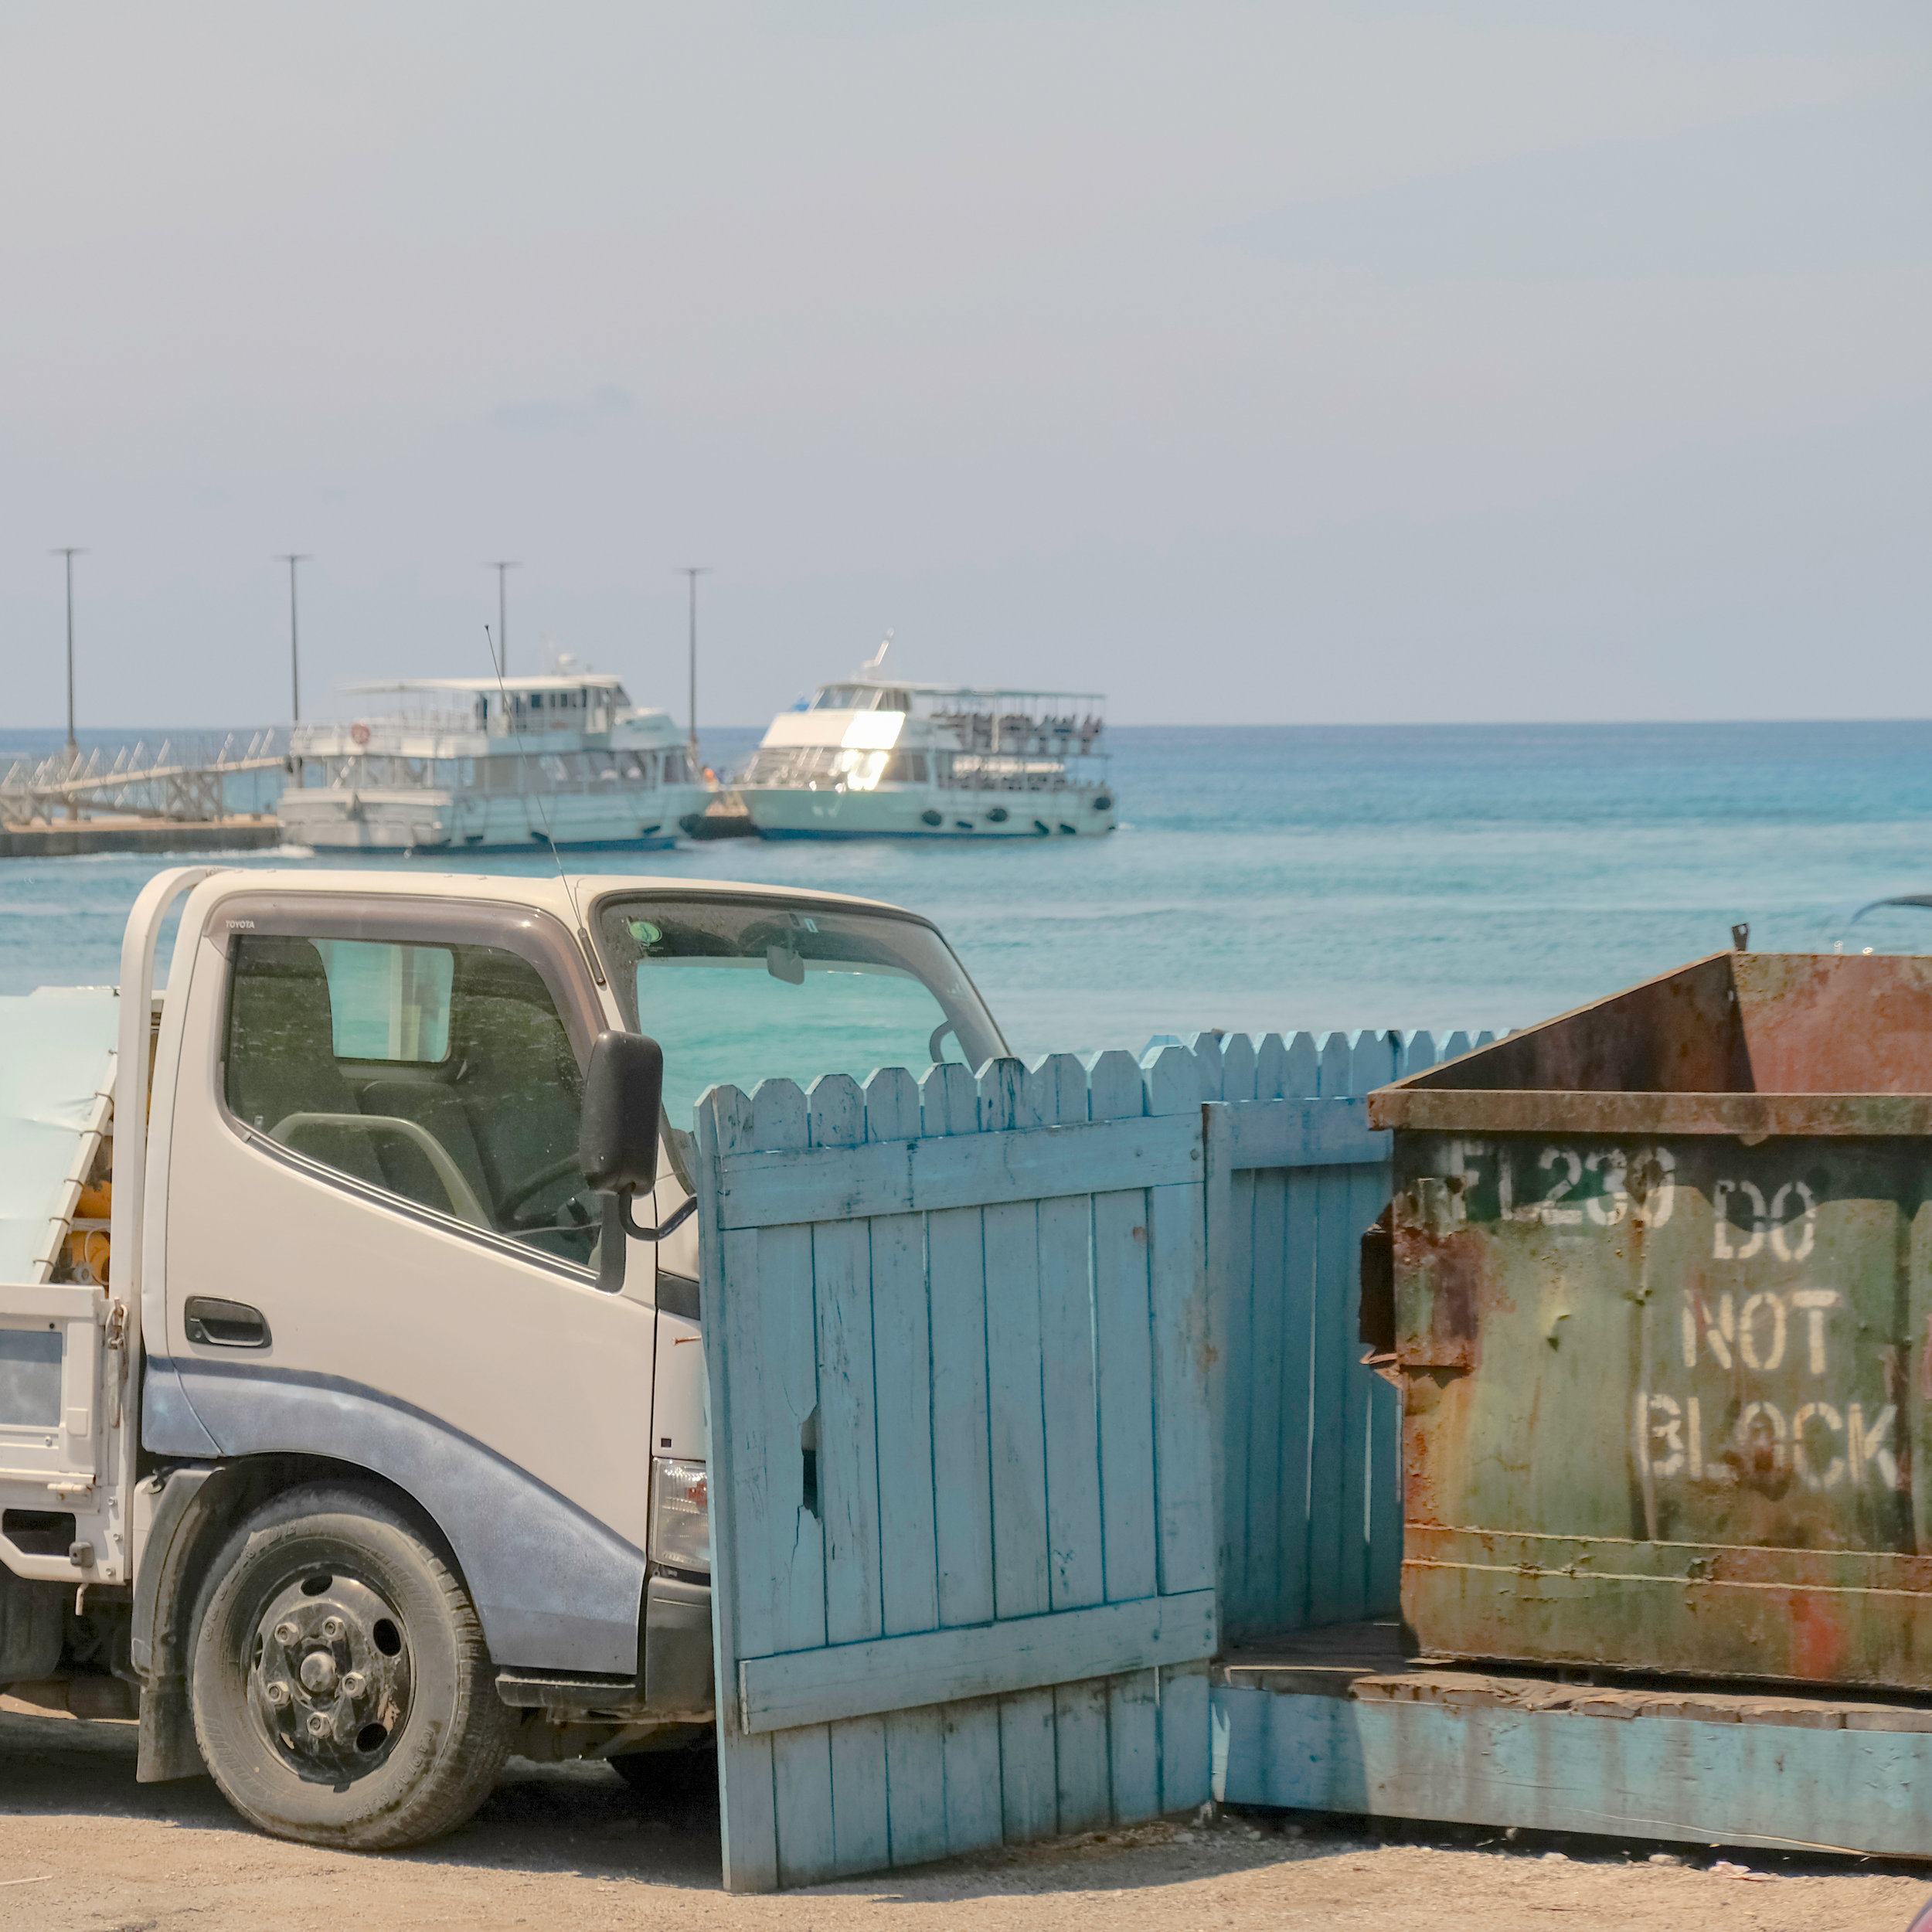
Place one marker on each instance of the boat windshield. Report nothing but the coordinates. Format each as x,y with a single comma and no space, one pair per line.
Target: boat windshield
738,991
859,697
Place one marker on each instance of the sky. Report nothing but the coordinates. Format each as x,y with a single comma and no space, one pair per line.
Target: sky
1282,363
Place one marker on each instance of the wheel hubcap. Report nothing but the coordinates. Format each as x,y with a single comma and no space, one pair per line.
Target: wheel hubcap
329,1680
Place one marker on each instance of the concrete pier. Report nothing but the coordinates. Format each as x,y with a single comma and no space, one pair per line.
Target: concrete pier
70,838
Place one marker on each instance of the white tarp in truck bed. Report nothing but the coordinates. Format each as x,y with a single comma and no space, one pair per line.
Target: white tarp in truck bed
57,1079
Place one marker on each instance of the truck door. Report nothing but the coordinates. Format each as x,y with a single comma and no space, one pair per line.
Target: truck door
379,1251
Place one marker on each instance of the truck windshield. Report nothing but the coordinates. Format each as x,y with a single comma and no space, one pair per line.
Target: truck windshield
738,991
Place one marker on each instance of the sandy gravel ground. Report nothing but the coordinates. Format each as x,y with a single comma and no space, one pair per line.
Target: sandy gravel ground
83,1847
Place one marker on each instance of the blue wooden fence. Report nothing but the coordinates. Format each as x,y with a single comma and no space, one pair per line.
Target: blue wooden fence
964,1554
1307,1441
1026,1392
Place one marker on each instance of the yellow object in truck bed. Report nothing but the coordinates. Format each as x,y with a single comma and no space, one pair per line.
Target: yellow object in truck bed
87,1255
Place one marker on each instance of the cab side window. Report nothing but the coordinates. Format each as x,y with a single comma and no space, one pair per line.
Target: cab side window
441,1073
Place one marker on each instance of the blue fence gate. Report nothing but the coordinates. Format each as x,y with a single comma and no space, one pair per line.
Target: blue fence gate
956,1339
1027,1392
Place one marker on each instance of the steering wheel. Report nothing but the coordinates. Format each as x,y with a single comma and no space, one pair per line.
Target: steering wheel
546,1176
577,1218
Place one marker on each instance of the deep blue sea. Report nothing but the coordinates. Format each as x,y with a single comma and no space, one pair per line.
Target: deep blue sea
1277,877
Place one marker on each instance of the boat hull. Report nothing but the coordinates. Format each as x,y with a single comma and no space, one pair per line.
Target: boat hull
331,819
921,812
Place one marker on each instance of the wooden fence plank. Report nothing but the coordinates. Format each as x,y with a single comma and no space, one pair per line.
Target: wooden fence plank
1134,1745
1779,1788
1229,1216
969,1732
1286,1221
1183,1456
1123,1343
949,1101
775,1188
915,1750
974,1811
1304,1073
1335,1594
1081,1771
1205,1050
1014,1381
802,1778
1237,1068
747,1809
903,1363
903,1375
848,1425
1186,1778
915,1786
789,1558
1057,1094
1270,1067
1267,1458
1014,1370
861,1835
1030,1795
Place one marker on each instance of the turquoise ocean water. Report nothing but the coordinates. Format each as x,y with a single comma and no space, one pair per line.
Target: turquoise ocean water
1275,877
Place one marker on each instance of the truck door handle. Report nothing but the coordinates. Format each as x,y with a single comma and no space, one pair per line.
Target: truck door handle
217,1324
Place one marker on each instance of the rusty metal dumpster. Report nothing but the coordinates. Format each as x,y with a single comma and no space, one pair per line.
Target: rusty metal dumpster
1663,1321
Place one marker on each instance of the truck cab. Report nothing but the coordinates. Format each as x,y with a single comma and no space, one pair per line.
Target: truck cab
353,1430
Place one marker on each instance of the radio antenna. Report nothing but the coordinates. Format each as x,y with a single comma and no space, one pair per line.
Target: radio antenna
549,838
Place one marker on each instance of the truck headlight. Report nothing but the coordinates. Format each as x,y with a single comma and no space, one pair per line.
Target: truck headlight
680,1513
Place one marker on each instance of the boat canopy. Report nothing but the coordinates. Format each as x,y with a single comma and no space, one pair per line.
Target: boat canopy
580,681
894,694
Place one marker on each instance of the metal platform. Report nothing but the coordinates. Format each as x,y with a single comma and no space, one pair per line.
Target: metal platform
1342,1721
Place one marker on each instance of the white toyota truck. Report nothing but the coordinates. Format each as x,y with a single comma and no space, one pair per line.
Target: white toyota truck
352,1399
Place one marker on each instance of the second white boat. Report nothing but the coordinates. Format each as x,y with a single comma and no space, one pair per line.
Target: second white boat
874,757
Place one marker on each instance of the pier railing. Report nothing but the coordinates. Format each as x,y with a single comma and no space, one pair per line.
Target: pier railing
186,782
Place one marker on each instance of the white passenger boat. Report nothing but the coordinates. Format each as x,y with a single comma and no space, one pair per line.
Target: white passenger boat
875,757
493,765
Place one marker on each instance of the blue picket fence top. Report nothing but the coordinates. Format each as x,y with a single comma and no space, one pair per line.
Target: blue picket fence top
1236,1066
1171,1072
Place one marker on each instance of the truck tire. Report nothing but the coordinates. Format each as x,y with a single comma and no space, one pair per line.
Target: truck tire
342,1692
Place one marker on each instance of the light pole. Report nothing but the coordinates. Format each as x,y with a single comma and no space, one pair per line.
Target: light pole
291,558
693,572
502,568
69,552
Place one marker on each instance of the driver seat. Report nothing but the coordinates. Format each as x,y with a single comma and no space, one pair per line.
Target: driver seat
517,1079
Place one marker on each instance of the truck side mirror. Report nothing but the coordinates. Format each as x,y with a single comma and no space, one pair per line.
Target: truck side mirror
618,1140
623,1095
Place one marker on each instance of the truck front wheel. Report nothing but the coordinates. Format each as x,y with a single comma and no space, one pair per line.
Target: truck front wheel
342,1692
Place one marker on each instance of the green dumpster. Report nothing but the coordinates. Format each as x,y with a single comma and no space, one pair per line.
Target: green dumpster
1662,1319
